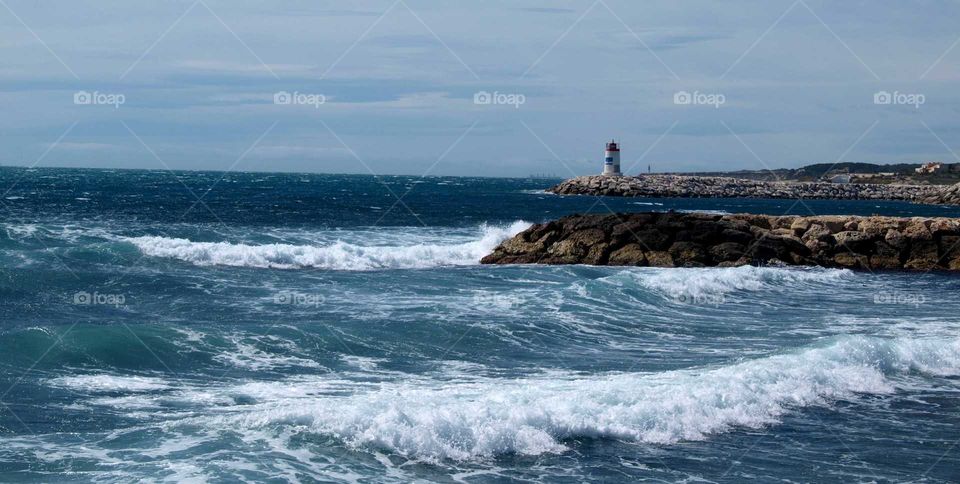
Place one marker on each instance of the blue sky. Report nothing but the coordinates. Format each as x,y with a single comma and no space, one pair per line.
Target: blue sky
198,81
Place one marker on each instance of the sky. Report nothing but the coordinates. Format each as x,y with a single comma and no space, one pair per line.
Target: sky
399,86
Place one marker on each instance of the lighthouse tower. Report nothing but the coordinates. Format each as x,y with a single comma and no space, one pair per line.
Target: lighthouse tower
611,159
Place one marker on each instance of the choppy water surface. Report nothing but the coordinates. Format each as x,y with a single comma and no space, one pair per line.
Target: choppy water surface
310,328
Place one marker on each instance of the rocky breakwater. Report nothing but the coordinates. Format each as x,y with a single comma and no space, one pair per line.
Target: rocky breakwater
699,240
946,196
724,187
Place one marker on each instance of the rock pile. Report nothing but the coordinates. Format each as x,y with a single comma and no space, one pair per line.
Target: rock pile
947,196
698,240
724,187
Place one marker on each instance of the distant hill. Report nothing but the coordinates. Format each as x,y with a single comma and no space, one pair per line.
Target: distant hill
819,170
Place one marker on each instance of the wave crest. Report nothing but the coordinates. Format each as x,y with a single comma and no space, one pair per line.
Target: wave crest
489,417
713,281
337,256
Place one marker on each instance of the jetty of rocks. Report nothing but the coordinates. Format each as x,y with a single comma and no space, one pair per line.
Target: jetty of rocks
656,186
947,196
697,240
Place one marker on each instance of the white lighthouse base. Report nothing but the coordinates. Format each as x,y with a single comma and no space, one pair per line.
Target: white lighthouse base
611,171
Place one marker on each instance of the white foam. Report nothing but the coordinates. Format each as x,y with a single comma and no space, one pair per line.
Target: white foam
363,363
20,230
712,281
338,256
101,383
705,211
66,232
481,418
248,356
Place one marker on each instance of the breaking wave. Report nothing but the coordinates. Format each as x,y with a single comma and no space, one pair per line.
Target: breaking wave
408,254
482,418
708,281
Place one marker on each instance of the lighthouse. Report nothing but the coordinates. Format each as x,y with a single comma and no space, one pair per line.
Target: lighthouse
611,159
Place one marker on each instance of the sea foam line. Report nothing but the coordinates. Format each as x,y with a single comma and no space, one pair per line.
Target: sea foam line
708,281
105,383
489,417
337,256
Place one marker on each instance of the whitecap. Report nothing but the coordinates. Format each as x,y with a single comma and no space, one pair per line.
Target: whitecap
102,383
714,281
483,418
362,362
337,256
248,356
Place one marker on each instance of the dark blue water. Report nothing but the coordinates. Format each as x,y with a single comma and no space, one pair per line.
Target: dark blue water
311,328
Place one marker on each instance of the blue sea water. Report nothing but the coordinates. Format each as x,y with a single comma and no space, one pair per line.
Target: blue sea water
313,328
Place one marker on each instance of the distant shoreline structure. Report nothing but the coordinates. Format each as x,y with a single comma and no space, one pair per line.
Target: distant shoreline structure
669,186
919,173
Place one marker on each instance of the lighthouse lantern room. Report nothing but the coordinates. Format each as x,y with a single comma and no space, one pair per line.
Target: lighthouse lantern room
611,159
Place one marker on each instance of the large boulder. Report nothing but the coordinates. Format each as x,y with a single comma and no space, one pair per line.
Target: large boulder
628,255
684,252
853,241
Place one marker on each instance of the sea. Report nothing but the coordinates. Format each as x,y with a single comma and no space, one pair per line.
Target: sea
174,326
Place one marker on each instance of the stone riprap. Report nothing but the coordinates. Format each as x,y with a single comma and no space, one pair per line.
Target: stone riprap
947,196
655,186
698,240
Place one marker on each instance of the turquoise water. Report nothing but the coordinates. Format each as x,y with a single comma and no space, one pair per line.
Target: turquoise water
310,328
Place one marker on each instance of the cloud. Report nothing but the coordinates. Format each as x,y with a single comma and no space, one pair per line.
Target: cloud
297,152
550,10
397,92
81,146
242,67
